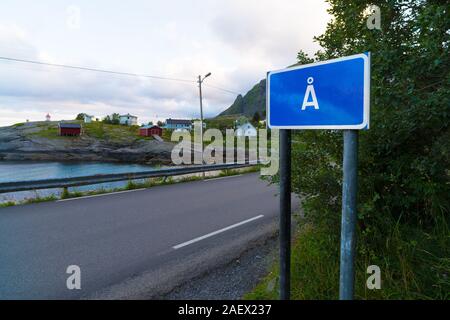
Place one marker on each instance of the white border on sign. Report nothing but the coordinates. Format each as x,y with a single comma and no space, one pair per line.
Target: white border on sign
366,114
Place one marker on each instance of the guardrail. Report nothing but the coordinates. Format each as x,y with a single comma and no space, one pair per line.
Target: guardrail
101,178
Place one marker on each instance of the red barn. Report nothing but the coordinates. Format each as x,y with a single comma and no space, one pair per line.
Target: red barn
69,129
148,131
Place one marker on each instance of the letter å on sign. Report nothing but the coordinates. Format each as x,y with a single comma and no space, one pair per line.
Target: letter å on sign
333,94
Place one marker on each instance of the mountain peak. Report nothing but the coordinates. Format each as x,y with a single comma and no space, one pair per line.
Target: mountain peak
253,101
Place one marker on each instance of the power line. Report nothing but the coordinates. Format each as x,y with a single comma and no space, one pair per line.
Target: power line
221,89
112,72
96,70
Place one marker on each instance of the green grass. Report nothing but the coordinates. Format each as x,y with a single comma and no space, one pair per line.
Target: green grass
313,270
113,133
233,172
96,129
40,199
167,134
131,185
120,134
49,132
29,201
222,123
7,204
414,265
159,181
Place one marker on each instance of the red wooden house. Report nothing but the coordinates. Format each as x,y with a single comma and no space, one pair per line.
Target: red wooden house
69,129
148,131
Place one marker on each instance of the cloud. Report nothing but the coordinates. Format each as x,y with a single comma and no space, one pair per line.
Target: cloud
239,41
13,42
274,30
29,91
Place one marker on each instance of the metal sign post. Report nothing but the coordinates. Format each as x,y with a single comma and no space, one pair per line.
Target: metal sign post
348,224
333,94
285,214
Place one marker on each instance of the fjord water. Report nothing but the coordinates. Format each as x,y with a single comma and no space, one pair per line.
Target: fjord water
25,170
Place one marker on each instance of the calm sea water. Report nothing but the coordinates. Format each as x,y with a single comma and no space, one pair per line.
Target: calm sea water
25,170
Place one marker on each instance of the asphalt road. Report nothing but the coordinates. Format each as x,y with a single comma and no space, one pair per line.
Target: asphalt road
137,244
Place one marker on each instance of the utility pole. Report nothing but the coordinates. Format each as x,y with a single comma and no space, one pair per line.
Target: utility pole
200,81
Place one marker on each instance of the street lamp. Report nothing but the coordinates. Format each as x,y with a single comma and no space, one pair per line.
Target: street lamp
200,81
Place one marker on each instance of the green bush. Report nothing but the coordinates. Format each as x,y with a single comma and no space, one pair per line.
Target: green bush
404,156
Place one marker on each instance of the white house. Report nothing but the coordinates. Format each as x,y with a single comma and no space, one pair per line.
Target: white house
175,124
246,130
181,130
128,119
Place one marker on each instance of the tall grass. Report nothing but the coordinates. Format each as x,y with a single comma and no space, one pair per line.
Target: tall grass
414,265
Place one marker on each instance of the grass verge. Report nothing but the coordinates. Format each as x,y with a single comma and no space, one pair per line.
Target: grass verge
414,264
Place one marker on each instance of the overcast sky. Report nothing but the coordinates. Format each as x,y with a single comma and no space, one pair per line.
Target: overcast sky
237,40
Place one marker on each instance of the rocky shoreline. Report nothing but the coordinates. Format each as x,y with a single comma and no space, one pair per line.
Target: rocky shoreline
136,156
26,143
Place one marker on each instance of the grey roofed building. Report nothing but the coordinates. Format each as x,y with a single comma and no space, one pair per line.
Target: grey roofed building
178,124
128,119
69,129
69,125
178,121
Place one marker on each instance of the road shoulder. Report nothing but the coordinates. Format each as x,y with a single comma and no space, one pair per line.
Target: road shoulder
183,277
233,280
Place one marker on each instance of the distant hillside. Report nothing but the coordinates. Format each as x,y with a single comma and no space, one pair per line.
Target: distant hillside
254,100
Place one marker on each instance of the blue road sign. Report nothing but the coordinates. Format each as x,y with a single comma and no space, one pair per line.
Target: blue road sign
333,94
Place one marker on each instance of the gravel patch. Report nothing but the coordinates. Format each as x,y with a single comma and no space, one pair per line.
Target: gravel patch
232,281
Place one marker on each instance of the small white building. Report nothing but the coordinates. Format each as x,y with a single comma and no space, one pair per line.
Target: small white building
88,118
181,130
128,120
246,130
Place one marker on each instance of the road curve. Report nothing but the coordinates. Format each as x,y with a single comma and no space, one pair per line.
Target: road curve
136,244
